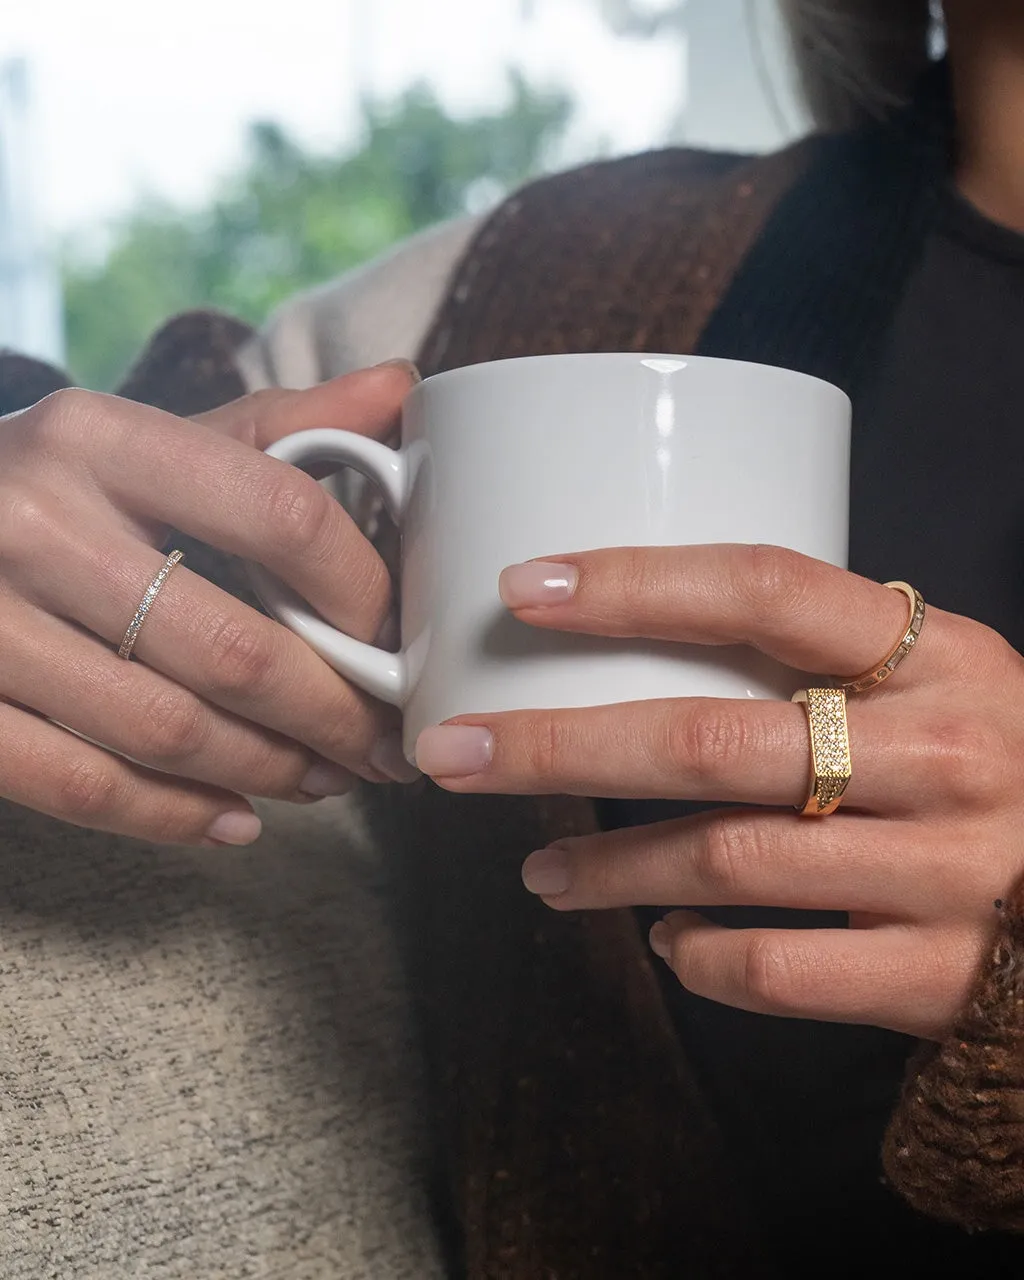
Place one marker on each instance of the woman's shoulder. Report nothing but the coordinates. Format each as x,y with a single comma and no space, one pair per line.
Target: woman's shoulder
384,309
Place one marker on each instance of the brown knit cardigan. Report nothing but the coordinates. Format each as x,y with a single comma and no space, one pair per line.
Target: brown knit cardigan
576,1141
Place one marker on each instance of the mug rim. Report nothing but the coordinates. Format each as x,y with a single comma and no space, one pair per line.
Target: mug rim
627,357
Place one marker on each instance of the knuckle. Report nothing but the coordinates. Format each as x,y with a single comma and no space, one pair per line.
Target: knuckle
248,418
63,416
28,522
240,658
638,580
706,740
348,732
343,741
770,976
972,760
170,825
991,654
724,855
170,727
774,579
598,875
371,590
66,407
298,515
70,403
87,793
545,747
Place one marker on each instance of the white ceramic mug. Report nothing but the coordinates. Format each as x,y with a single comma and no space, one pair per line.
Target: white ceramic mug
547,455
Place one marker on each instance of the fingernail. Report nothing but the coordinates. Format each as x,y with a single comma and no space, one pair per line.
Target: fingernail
387,757
327,779
661,940
401,363
537,583
454,750
546,873
240,827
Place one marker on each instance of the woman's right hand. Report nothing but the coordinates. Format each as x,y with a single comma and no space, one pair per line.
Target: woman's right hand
221,701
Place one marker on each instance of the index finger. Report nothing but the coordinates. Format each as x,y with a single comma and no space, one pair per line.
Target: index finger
806,613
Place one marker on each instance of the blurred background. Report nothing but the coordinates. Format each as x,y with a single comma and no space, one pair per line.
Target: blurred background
227,153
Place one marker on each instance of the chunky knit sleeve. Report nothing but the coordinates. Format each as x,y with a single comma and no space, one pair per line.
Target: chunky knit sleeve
955,1147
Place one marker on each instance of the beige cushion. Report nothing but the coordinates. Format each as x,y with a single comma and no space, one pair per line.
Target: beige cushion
205,1062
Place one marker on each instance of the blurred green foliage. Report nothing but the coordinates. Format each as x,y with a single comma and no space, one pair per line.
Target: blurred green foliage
291,218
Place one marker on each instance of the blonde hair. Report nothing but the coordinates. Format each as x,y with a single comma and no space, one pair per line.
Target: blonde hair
857,59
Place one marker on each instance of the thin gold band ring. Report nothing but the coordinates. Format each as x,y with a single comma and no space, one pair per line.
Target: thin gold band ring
141,613
881,672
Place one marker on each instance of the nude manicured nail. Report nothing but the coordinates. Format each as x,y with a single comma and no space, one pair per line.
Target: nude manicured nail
387,757
401,363
546,873
236,828
454,750
522,586
327,779
661,940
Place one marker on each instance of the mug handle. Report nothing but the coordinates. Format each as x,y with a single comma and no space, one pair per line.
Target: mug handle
381,674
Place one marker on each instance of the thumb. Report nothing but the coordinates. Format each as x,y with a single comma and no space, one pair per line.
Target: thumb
368,402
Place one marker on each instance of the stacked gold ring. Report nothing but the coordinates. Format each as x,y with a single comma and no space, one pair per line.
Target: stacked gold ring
831,766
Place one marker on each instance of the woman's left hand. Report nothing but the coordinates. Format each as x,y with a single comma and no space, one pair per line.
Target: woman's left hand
930,838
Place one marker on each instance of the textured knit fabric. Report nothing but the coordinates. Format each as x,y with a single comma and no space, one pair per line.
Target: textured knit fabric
205,1070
